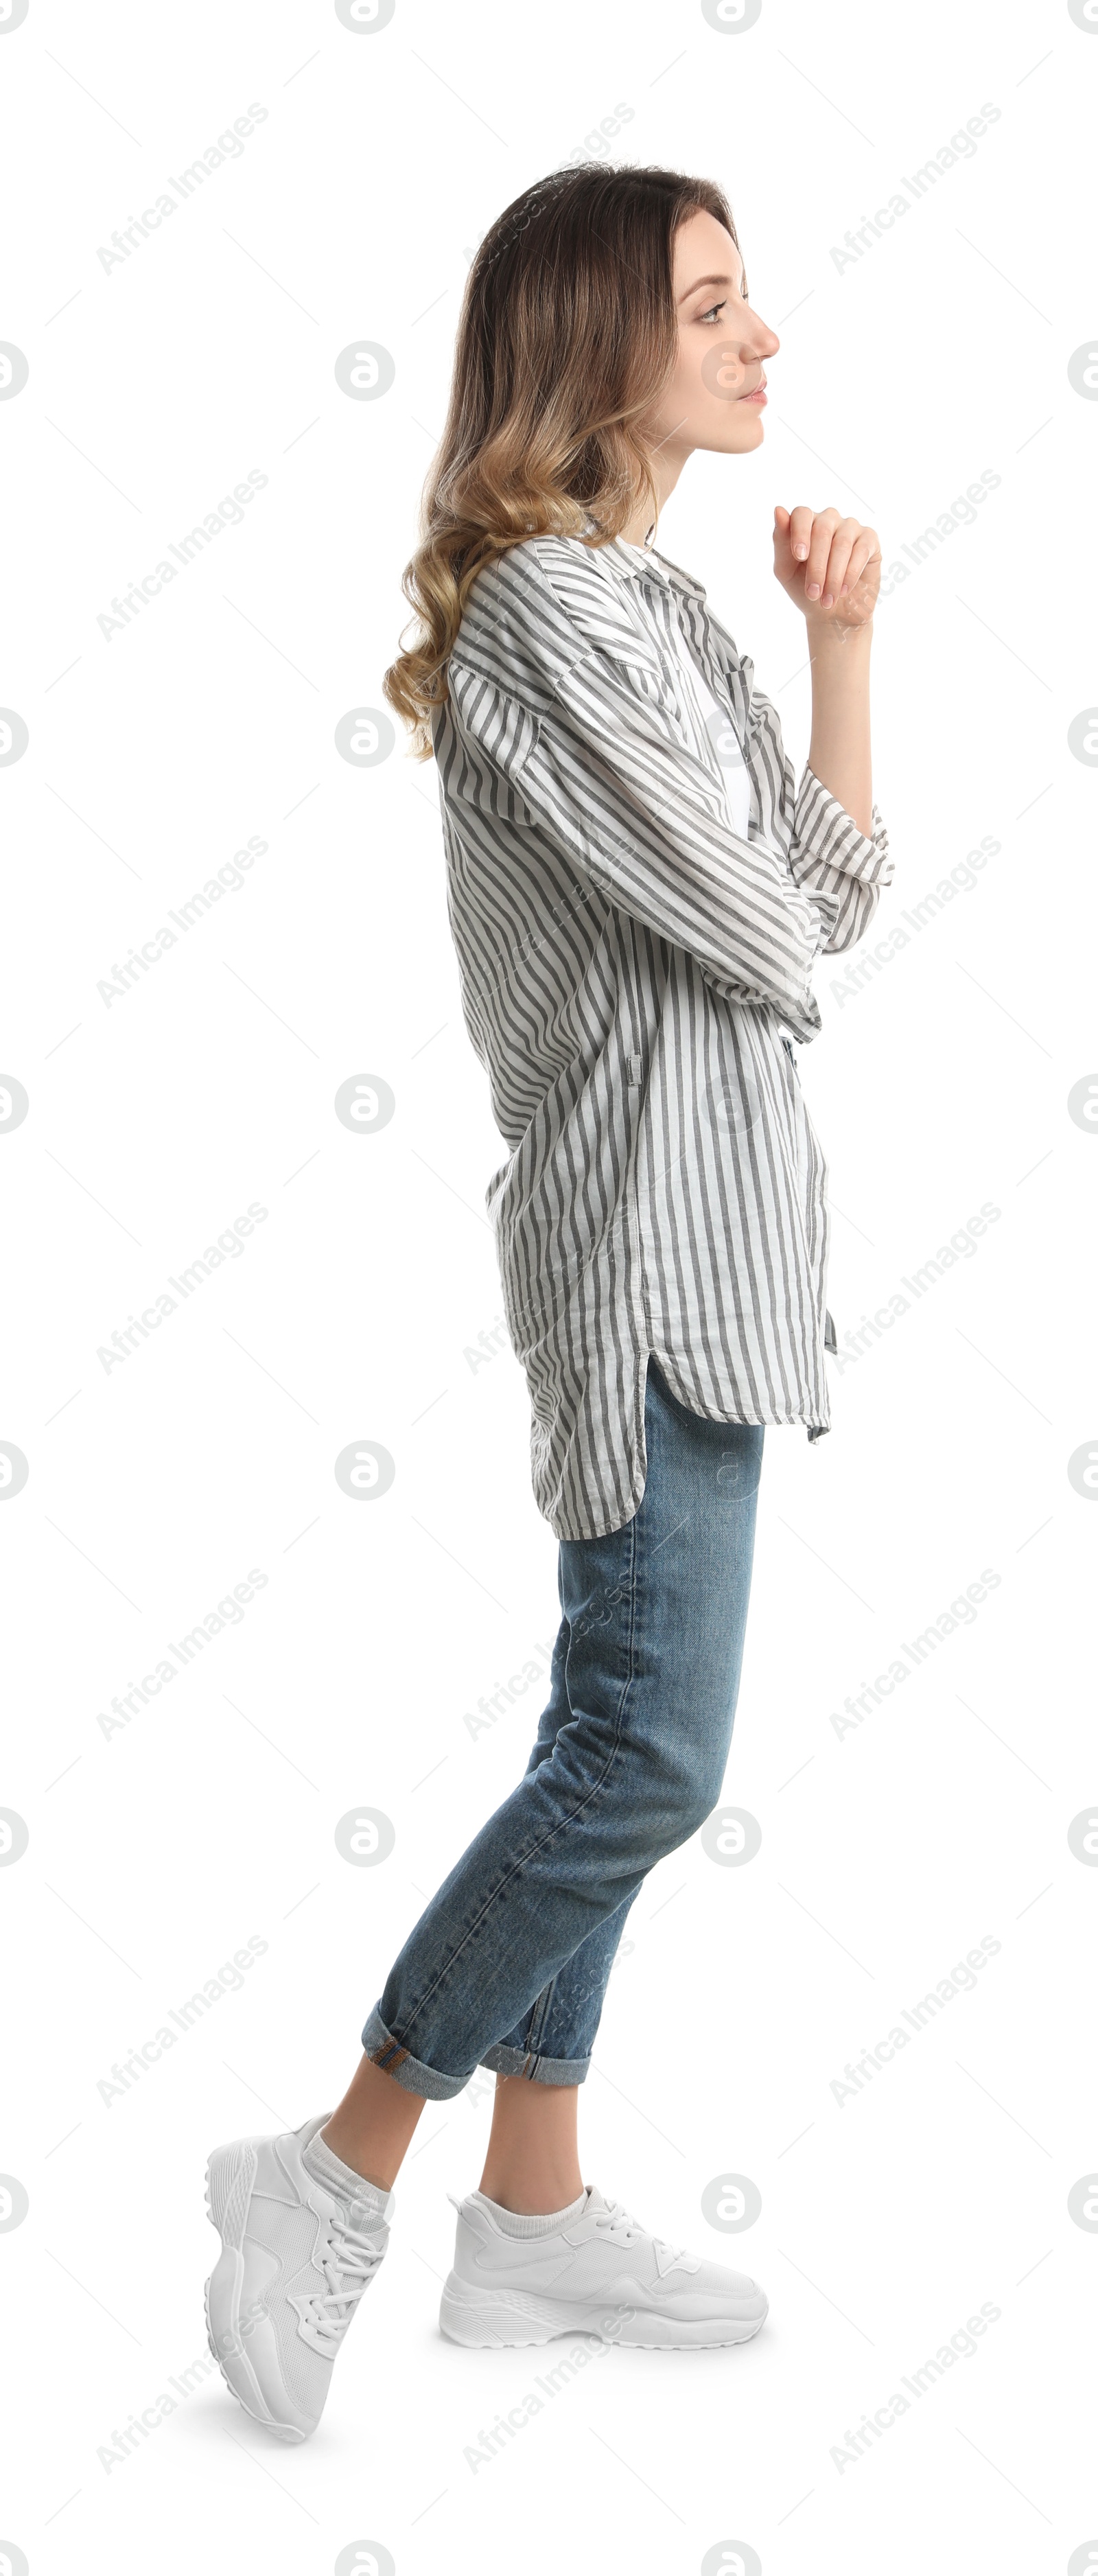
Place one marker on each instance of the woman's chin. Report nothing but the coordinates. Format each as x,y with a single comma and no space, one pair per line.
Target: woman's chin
738,435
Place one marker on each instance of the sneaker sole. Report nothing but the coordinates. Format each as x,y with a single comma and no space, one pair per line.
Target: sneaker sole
229,2177
482,2318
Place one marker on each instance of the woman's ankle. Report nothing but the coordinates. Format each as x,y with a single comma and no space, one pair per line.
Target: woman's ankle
371,2129
360,2160
535,2196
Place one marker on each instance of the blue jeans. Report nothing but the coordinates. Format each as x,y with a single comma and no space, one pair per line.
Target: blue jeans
507,1965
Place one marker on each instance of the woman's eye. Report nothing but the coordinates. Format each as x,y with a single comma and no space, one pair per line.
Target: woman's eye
713,312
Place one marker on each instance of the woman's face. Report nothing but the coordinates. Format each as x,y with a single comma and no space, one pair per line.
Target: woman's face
712,400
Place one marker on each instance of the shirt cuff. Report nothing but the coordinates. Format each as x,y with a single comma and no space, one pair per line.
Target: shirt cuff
825,834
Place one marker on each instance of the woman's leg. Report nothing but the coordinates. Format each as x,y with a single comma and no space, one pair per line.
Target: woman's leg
629,1760
702,1620
532,2163
508,1966
372,2129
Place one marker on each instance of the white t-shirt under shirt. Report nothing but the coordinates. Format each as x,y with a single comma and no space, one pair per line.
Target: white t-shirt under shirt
708,715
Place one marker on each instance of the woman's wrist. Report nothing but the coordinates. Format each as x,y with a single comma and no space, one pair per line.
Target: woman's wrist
828,640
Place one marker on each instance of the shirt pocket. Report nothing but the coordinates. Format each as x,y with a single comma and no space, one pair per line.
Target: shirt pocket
648,675
647,680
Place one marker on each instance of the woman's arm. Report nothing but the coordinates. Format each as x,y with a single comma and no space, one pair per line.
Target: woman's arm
830,568
556,684
838,752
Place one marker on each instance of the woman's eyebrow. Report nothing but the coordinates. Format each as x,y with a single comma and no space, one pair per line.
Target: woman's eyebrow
722,280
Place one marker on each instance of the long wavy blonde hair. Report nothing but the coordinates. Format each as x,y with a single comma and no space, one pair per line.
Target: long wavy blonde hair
566,338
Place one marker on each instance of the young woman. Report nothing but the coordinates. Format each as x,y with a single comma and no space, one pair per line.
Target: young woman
638,893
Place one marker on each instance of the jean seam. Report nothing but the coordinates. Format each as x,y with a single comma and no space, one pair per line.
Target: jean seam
570,1818
539,2014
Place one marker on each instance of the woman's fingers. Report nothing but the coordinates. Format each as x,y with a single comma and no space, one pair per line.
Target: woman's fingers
801,523
829,553
861,554
842,546
824,525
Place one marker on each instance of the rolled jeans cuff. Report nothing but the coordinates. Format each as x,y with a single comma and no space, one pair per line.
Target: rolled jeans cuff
386,2052
538,2070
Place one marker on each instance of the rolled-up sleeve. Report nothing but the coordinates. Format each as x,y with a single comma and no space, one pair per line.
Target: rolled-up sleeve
832,860
840,868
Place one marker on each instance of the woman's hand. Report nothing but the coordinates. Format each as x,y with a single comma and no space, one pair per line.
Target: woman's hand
830,566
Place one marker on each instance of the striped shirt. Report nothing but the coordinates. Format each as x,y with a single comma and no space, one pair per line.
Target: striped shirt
630,966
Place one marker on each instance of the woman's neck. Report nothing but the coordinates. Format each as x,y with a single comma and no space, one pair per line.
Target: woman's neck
665,470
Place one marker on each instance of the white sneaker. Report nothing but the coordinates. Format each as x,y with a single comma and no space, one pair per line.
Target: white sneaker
294,2263
601,2273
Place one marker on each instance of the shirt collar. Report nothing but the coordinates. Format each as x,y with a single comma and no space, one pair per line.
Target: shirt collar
619,566
624,566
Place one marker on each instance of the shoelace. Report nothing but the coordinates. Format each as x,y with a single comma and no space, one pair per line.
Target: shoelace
349,2264
616,2222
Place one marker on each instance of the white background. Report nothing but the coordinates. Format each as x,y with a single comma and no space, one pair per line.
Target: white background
155,1486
